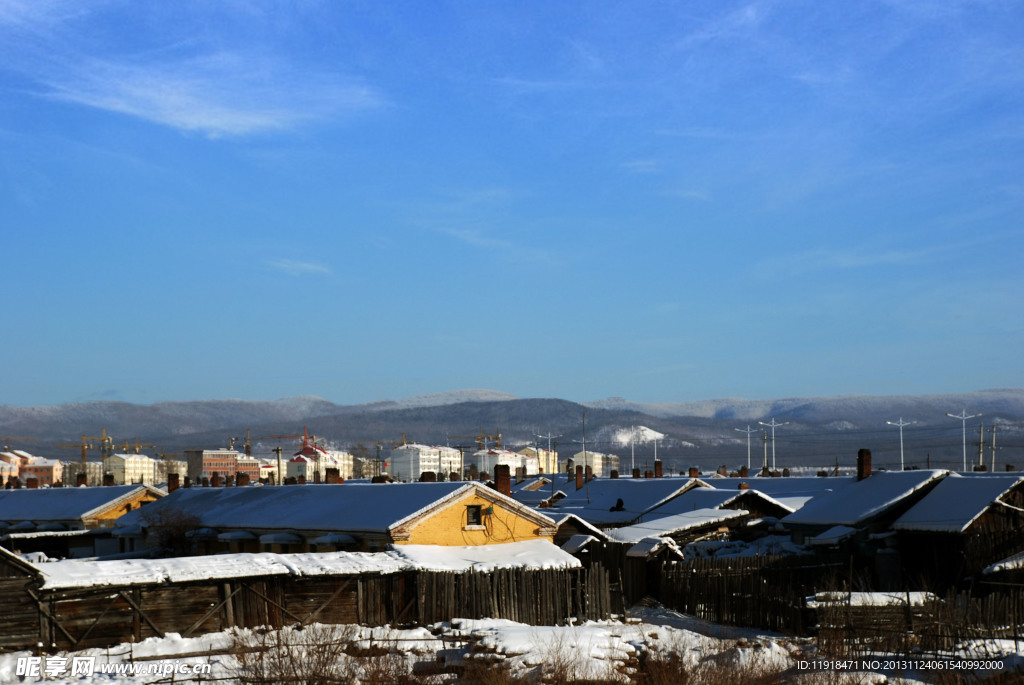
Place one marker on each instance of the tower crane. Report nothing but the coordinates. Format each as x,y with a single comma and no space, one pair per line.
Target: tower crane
482,439
7,440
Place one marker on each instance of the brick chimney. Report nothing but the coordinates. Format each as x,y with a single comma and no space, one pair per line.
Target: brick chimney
332,475
863,464
589,473
241,480
81,479
108,479
173,483
428,477
301,480
694,472
614,473
723,470
579,477
636,472
188,482
32,483
659,471
744,472
744,485
215,480
503,479
648,474
229,481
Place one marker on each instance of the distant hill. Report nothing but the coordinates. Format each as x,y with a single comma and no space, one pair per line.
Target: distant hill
818,431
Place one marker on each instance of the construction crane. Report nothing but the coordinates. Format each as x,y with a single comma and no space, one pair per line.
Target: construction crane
307,441
482,439
7,440
106,446
128,447
248,443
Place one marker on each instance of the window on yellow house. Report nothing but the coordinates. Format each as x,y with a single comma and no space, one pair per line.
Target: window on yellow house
474,515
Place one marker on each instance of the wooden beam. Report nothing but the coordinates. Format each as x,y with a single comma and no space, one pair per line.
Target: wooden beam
323,606
94,623
213,610
270,601
141,613
53,620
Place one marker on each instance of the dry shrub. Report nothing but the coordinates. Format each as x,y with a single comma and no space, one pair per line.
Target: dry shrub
668,667
311,655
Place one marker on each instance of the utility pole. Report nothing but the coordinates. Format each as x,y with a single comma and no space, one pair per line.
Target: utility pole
549,438
632,448
773,426
993,448
764,440
280,473
748,432
981,444
901,423
586,481
963,417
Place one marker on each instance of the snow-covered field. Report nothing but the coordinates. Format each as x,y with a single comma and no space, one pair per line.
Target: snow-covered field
597,651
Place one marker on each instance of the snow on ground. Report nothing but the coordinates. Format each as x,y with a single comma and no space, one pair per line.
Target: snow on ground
602,651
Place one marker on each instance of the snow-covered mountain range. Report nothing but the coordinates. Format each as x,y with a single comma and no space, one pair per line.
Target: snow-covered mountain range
824,429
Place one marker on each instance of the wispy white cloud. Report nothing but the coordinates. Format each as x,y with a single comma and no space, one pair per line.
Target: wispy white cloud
224,90
294,267
642,166
476,238
216,95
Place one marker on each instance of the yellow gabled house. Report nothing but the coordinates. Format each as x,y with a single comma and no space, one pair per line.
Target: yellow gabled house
351,516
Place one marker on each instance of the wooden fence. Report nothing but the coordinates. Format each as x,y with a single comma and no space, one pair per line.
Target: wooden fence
932,628
763,592
103,616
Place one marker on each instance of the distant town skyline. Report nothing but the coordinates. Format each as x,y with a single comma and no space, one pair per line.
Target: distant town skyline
367,201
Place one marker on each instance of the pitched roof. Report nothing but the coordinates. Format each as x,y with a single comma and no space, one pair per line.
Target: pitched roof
594,501
64,504
796,491
535,554
707,498
955,503
672,525
864,499
347,507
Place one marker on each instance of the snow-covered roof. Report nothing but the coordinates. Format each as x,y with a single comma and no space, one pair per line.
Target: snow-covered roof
346,507
64,504
671,525
796,491
577,542
832,536
872,599
1013,563
561,518
708,498
594,501
650,546
531,554
956,502
864,499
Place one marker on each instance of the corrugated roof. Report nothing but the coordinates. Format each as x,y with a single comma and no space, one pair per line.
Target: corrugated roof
864,499
956,502
62,504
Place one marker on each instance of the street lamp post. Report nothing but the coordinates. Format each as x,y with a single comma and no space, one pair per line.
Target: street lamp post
748,432
963,417
901,423
773,426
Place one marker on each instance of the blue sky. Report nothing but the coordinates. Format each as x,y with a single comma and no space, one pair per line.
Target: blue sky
369,200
